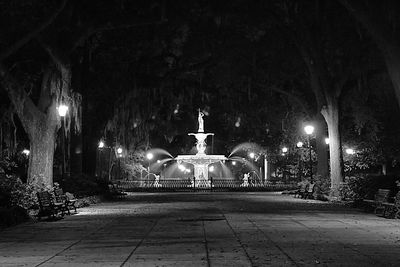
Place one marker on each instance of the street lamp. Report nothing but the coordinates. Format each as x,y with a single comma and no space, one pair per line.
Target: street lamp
101,144
149,157
62,111
350,151
26,152
284,149
309,129
252,155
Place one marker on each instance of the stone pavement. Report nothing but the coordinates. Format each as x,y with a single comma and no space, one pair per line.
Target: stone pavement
206,229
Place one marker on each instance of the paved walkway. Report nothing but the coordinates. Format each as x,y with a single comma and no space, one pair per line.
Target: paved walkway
206,229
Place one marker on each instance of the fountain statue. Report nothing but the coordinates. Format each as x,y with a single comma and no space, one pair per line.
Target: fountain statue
201,122
201,161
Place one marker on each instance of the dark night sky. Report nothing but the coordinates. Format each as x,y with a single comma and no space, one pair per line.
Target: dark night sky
145,67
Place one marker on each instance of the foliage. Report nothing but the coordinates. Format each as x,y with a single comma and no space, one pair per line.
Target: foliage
15,193
7,165
82,185
360,186
322,187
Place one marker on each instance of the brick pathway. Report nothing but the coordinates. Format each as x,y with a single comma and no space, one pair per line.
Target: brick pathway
206,229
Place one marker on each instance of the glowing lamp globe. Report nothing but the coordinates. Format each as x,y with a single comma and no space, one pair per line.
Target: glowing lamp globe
101,144
309,129
284,149
62,110
119,150
350,151
252,155
149,156
211,169
327,141
26,152
299,144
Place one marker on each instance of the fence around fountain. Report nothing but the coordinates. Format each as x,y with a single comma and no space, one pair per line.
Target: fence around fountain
217,184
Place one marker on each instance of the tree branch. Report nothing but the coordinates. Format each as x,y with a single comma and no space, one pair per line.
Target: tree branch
376,28
32,34
300,101
108,27
23,104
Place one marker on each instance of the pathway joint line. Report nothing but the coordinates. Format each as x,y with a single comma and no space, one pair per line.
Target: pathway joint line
240,242
140,242
275,244
73,244
344,245
206,244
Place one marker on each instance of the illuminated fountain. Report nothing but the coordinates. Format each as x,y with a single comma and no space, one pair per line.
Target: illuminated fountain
200,161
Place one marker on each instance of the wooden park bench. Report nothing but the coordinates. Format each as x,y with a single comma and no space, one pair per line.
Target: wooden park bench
301,191
392,210
61,197
309,192
305,191
115,192
48,206
382,196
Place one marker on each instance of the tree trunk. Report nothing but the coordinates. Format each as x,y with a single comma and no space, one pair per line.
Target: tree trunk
331,115
321,147
391,54
42,142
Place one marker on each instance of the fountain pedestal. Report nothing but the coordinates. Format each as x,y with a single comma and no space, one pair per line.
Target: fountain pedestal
200,161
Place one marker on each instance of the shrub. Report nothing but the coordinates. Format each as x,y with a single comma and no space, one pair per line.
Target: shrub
322,187
360,186
82,185
15,193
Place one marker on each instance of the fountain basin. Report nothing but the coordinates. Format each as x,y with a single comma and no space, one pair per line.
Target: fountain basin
200,163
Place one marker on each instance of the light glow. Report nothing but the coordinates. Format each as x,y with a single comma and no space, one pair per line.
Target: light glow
62,110
327,141
350,151
181,167
252,155
101,144
149,156
26,152
299,144
211,168
234,163
309,129
119,150
284,149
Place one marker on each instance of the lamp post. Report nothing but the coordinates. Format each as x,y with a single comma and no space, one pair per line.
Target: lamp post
149,157
284,151
62,111
309,129
119,155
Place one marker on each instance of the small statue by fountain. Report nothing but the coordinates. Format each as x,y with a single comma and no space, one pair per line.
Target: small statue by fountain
245,180
201,122
157,181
